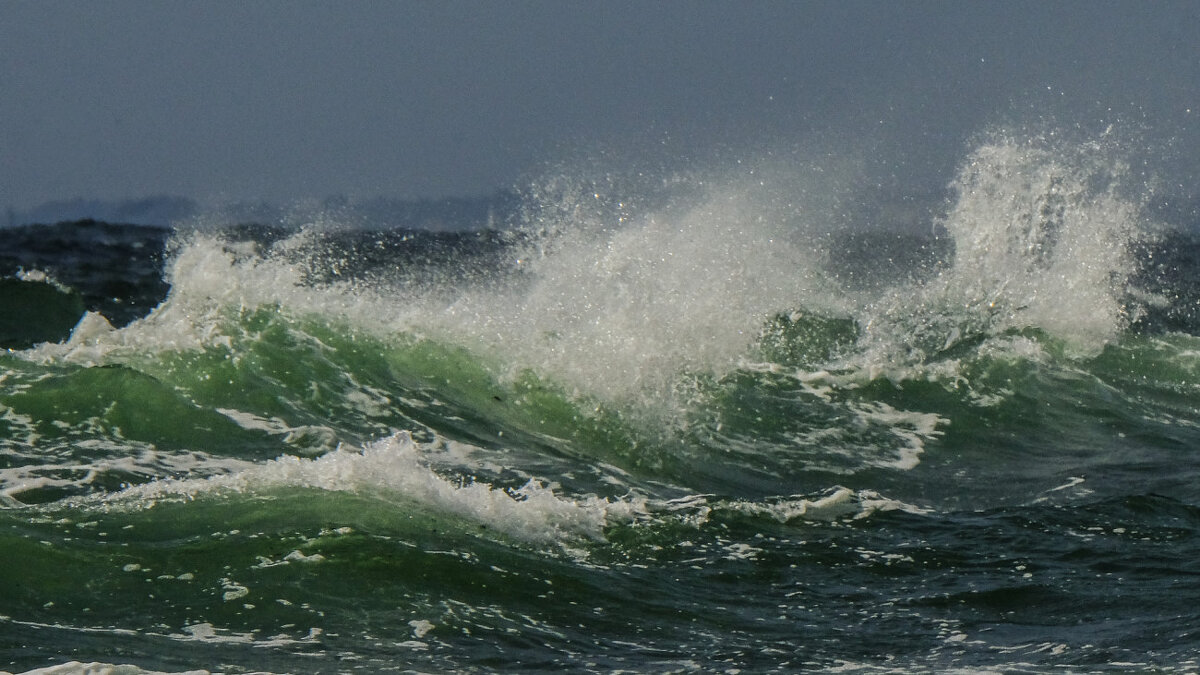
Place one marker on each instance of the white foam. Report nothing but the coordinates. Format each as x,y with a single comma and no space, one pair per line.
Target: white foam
97,668
838,503
911,428
397,467
311,439
867,434
832,506
105,458
397,470
207,633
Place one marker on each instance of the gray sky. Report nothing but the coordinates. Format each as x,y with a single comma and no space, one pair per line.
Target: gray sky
283,100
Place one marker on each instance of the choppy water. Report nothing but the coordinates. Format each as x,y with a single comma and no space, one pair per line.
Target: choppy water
708,433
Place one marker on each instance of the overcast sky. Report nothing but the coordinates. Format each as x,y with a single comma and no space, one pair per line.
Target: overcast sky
283,100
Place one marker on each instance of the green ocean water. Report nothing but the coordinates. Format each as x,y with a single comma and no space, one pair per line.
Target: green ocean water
686,439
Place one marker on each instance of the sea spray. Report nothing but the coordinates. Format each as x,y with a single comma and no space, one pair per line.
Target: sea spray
649,316
303,461
1042,232
621,310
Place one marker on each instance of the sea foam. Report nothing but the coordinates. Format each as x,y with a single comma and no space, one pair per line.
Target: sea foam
396,467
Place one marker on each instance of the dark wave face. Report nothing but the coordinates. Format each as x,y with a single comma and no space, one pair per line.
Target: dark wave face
714,434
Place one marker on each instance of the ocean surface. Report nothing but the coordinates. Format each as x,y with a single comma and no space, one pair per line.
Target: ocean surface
725,426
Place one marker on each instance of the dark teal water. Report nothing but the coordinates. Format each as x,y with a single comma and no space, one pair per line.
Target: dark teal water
706,436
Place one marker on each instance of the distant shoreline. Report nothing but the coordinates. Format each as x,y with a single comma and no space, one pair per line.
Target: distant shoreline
438,214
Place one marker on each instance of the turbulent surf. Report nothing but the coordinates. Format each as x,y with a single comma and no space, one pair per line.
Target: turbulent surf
720,427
